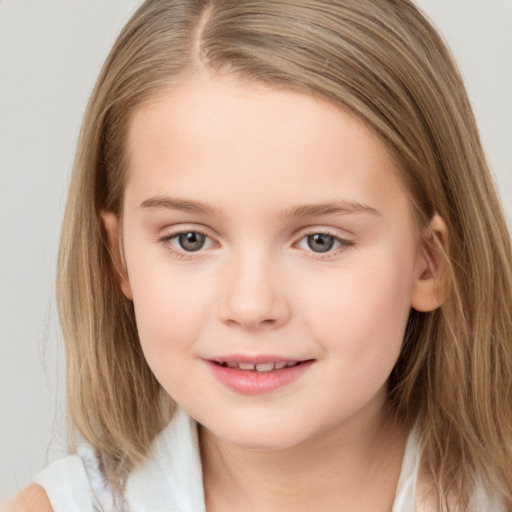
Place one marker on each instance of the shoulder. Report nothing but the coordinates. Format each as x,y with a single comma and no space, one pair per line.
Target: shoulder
75,483
31,499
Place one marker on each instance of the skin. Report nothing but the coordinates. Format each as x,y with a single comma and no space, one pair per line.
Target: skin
31,499
257,287
253,157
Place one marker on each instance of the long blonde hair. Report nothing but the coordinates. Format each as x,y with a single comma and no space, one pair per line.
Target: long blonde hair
383,61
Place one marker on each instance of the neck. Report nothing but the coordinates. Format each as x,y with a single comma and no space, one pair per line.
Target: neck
350,467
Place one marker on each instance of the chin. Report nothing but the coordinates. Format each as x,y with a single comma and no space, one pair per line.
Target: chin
260,435
261,441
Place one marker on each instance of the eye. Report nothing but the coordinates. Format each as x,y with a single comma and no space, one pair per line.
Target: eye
190,241
322,242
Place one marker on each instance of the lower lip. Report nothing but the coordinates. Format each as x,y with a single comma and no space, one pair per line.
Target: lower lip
254,383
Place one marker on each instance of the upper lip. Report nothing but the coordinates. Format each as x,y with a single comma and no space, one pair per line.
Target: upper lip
256,359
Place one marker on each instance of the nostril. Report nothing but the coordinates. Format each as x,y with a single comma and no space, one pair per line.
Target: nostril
253,307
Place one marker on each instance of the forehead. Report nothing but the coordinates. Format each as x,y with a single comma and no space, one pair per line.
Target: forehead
234,140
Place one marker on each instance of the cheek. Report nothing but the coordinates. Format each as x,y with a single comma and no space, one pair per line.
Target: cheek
171,306
361,313
171,312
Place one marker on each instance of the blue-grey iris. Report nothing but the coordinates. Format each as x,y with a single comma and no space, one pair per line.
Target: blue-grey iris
320,242
191,241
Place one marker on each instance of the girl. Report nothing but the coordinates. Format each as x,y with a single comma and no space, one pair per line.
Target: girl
285,278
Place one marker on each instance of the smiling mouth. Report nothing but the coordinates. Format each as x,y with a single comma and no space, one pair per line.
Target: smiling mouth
258,374
259,367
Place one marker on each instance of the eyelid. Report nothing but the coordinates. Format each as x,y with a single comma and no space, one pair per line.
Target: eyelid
344,243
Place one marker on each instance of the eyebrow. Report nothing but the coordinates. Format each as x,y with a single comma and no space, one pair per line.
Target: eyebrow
185,205
306,210
336,207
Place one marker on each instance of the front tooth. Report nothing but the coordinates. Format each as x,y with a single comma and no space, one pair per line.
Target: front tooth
280,365
265,367
246,366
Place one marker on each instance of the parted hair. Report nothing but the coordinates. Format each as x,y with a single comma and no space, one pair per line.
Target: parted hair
384,62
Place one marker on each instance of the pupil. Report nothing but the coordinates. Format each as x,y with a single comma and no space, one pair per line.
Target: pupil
320,242
191,241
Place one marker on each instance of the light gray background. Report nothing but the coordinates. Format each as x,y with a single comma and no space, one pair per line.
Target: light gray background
50,54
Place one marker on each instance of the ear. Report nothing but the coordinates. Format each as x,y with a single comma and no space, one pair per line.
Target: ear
429,289
111,223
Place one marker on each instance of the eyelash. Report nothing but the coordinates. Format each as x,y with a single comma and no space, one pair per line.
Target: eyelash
342,245
182,254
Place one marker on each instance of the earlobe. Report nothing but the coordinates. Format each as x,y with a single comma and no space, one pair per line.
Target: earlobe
111,223
430,285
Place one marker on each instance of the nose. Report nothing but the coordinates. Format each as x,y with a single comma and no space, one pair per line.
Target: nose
253,295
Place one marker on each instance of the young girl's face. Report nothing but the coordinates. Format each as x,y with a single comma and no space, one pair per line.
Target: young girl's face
272,259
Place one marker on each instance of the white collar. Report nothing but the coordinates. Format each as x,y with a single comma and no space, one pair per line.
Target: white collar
171,478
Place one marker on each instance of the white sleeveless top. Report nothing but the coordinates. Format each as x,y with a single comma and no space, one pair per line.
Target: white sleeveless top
171,478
